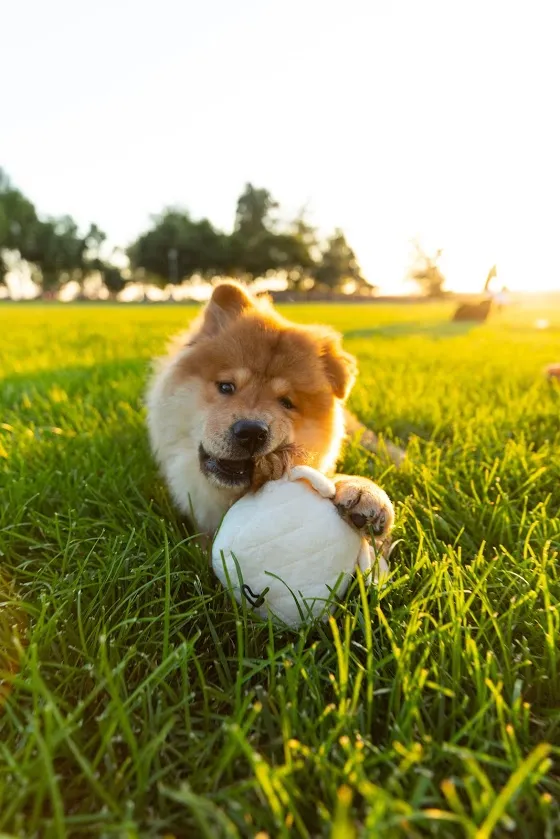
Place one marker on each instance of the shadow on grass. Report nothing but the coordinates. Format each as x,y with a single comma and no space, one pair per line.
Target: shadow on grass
443,329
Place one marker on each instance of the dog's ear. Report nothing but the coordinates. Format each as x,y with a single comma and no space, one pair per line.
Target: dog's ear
341,367
229,300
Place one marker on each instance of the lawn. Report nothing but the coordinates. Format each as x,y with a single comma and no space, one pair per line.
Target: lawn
137,703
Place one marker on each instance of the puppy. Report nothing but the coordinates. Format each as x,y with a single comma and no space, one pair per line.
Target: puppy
244,393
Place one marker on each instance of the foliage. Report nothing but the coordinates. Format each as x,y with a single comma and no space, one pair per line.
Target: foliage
17,215
58,250
54,245
144,704
253,213
304,253
176,248
426,272
338,264
113,279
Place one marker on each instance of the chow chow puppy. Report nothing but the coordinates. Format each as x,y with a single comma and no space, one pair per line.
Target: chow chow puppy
244,394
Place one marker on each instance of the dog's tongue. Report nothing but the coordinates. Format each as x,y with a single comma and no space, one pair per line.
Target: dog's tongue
235,467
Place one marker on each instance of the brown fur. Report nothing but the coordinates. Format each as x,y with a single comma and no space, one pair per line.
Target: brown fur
271,467
265,360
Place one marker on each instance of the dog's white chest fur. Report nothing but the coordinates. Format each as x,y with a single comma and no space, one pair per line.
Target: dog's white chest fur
173,425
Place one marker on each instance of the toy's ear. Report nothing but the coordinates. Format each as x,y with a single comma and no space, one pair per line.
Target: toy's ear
229,300
341,367
320,483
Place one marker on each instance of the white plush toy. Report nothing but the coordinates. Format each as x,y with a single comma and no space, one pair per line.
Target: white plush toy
286,550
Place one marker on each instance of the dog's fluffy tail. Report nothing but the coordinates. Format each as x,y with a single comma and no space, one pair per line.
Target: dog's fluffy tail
370,441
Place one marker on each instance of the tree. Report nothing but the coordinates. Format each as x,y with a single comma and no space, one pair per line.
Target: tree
90,251
58,251
17,215
339,265
249,257
248,249
53,245
113,279
426,272
290,253
257,247
153,250
252,215
304,253
177,247
41,249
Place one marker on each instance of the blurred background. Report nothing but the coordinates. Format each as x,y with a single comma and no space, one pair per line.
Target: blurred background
318,149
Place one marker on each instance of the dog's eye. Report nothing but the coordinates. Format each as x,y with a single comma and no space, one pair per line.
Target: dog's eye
287,403
226,387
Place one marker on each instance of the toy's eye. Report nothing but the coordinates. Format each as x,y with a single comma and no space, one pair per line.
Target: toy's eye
287,403
226,388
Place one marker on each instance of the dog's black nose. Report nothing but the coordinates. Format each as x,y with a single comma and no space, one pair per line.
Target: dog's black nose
250,434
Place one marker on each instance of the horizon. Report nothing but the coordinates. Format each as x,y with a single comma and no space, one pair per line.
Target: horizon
392,124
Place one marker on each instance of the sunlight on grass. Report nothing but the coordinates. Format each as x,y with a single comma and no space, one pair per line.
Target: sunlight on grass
141,703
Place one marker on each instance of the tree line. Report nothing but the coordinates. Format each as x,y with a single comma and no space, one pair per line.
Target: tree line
177,248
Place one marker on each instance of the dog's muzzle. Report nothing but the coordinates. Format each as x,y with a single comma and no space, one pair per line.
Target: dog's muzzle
230,473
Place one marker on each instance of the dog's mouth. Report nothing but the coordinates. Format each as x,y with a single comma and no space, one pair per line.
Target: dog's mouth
229,473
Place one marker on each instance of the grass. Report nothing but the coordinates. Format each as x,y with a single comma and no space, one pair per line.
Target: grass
137,702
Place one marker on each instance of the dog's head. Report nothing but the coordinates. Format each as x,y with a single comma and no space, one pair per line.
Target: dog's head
262,384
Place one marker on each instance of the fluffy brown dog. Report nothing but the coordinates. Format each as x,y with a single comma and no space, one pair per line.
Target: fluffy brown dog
243,395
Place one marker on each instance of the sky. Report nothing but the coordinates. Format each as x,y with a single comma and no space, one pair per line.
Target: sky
394,120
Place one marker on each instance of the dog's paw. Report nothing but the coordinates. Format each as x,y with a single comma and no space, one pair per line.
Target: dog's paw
364,505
